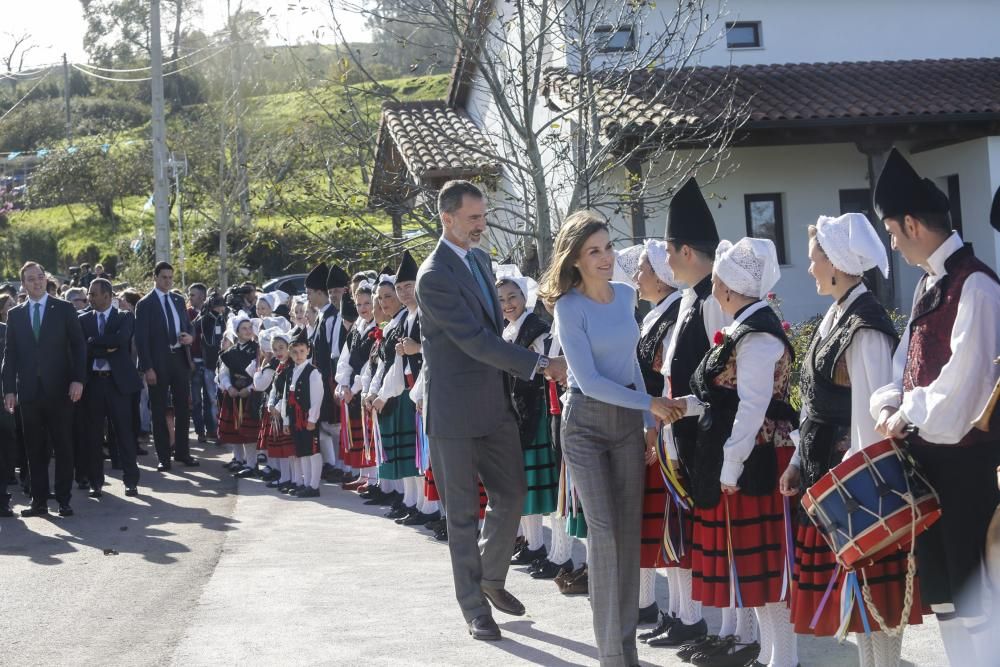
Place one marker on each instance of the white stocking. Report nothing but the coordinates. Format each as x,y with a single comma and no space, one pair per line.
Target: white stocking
532,527
296,466
728,622
250,454
410,491
766,635
315,469
885,649
562,545
431,506
690,609
647,587
745,625
238,453
673,591
326,444
285,466
785,648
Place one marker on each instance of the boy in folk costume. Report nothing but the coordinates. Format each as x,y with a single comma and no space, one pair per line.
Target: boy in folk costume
517,296
273,440
337,284
849,357
657,286
691,242
942,380
399,365
353,357
303,400
239,414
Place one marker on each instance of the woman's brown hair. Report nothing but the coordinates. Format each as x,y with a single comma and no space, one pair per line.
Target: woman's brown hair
561,276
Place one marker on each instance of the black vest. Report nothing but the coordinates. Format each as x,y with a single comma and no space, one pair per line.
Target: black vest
301,389
716,425
359,346
650,343
322,347
236,359
826,432
528,396
396,335
692,345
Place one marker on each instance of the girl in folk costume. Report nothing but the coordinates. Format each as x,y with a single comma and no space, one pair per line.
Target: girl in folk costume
273,440
239,413
302,396
355,451
400,362
739,545
517,296
850,356
657,286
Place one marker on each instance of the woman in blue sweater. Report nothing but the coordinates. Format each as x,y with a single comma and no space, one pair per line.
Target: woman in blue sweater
603,421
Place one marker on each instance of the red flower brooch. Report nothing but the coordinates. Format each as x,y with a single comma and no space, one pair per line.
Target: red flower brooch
786,325
719,338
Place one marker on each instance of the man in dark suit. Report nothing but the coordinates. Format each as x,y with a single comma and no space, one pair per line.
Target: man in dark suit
43,371
469,417
162,334
111,383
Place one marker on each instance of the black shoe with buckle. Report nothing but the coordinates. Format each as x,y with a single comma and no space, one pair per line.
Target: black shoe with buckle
549,570
666,622
649,615
731,653
525,556
680,634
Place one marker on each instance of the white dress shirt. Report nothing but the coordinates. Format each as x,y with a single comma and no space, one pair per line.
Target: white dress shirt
394,379
869,365
756,355
41,311
945,409
344,375
375,386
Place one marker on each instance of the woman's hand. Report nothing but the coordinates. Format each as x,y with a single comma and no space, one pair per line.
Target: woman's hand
790,481
668,410
245,392
728,489
378,404
233,392
652,435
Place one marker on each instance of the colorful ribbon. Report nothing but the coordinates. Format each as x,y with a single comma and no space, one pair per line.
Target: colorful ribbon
423,452
786,579
824,599
735,597
377,438
346,438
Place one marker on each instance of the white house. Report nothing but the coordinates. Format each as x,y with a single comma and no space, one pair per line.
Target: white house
830,88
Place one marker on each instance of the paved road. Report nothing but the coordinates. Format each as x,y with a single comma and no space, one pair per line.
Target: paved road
211,573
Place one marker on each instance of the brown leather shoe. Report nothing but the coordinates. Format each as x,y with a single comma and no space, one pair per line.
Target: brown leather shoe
502,600
576,583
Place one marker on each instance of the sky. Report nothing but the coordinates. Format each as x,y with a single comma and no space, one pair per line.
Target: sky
290,22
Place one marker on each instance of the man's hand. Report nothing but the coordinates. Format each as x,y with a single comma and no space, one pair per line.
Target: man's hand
791,481
245,392
10,402
420,406
668,410
652,435
883,419
75,391
185,339
556,370
310,426
408,346
150,377
378,404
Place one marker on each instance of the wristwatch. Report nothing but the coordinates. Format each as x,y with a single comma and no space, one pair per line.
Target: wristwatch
543,363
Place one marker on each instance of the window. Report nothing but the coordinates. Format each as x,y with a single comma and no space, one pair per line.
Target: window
765,221
613,38
743,35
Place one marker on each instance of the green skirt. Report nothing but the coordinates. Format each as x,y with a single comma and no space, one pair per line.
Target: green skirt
399,438
541,473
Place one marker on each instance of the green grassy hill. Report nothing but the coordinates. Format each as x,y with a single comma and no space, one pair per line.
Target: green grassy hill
79,234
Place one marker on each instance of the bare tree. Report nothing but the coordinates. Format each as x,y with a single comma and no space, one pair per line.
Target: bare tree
587,103
16,47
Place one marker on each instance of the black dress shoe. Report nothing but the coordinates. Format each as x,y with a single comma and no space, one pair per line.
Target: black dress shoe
680,634
141,451
245,472
441,535
65,510
549,570
502,600
188,461
96,493
415,519
202,438
731,654
5,511
308,492
649,615
690,649
131,491
666,622
436,524
484,628
271,476
83,486
163,467
525,556
35,510
399,511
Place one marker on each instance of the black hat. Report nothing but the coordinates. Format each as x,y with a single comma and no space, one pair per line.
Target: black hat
407,268
995,211
348,310
337,278
689,220
317,277
901,190
299,335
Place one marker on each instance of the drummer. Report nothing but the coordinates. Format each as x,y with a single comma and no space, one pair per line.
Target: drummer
943,377
850,356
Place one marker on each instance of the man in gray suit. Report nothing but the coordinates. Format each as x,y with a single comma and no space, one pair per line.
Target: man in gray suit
468,414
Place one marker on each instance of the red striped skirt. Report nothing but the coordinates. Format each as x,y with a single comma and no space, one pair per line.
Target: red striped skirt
352,451
274,440
654,506
248,430
758,542
430,488
814,567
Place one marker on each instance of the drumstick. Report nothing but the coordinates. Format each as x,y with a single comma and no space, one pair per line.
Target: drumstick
982,422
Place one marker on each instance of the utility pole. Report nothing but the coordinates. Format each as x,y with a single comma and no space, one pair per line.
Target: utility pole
179,167
69,120
160,184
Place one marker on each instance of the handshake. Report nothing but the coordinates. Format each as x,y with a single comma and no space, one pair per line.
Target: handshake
668,410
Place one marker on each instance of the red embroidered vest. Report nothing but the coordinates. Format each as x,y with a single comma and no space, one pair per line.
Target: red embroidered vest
931,324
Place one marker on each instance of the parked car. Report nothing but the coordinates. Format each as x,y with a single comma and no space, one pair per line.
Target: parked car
292,284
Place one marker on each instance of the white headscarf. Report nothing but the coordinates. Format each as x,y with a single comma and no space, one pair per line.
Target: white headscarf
626,264
233,326
852,244
269,335
749,267
658,256
528,286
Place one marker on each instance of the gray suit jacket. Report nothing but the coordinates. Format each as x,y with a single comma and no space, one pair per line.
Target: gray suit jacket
464,356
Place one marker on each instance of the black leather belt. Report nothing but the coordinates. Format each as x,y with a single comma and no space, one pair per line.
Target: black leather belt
101,374
577,390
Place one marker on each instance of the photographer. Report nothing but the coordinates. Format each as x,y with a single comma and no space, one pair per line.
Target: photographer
209,325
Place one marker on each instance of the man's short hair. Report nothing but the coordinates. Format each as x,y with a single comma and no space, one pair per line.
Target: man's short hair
131,296
934,221
162,266
103,284
85,265
451,195
51,285
74,293
29,265
198,286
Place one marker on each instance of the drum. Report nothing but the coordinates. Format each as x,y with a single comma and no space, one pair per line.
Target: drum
872,504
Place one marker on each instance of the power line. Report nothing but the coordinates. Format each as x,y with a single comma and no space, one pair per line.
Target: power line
144,78
146,69
16,104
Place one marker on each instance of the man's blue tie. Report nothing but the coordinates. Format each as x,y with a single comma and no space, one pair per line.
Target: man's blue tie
101,322
480,280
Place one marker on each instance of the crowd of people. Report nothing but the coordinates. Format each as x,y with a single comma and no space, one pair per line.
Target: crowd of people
443,393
